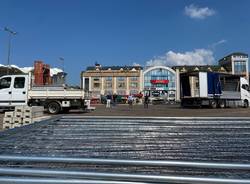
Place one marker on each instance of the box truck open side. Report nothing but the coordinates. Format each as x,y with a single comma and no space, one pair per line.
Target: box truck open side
213,89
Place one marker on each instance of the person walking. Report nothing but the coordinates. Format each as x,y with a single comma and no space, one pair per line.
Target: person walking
114,99
130,101
108,101
146,101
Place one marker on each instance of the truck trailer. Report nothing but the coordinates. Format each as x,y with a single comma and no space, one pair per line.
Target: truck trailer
213,89
18,90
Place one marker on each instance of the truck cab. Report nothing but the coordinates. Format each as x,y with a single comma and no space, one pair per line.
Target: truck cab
13,90
245,92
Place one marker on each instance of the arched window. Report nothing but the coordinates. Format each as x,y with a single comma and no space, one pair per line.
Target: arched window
160,77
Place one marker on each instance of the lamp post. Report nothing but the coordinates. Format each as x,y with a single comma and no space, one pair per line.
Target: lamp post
11,33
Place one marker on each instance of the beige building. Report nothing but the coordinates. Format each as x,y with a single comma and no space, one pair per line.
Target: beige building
236,63
121,80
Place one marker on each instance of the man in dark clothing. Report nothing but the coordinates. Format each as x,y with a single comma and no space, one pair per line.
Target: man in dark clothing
114,99
146,101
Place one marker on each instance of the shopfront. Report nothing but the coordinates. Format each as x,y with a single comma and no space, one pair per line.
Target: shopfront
159,81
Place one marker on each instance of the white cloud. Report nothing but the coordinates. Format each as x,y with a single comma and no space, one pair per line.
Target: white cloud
218,43
54,71
196,12
171,58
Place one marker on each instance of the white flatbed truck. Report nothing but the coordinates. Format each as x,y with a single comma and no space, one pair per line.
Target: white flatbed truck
17,90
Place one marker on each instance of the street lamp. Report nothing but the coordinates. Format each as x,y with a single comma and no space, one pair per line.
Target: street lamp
11,33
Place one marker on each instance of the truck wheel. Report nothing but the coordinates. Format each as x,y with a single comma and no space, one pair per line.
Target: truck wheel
213,104
246,104
222,104
54,108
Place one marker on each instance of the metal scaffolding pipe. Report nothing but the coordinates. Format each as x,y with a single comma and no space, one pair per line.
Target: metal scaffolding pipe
117,177
10,180
211,165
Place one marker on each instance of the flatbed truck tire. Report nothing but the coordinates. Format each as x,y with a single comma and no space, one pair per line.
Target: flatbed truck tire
54,107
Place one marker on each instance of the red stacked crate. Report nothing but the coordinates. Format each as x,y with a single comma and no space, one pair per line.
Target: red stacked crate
38,72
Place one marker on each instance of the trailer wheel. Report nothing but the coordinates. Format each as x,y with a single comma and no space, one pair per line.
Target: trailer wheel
246,104
54,108
213,104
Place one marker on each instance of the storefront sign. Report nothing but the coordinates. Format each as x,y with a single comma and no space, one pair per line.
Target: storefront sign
159,81
159,88
155,93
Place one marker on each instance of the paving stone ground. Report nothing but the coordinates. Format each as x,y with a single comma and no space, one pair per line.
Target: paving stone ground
160,111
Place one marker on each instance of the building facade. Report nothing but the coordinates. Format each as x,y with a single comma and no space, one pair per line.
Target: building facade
120,80
159,81
155,80
236,63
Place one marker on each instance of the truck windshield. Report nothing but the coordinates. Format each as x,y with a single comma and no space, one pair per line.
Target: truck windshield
5,82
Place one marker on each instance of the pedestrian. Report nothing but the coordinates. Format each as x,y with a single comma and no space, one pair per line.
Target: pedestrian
146,101
114,99
130,101
108,101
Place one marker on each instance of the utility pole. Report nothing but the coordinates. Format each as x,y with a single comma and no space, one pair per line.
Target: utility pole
11,33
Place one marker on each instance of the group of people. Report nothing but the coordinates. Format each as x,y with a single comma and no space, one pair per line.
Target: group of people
113,98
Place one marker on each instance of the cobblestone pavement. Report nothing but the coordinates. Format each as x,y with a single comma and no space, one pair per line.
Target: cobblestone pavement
167,111
159,111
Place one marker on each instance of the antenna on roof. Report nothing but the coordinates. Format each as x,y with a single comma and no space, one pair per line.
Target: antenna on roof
97,64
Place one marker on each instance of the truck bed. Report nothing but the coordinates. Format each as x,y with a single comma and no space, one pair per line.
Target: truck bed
234,95
56,94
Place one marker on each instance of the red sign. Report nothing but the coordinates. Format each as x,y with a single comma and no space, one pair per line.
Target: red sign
159,81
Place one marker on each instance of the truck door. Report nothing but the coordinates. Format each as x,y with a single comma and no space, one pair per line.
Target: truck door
19,90
5,91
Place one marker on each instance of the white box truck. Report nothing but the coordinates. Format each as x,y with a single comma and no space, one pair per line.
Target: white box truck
17,90
213,89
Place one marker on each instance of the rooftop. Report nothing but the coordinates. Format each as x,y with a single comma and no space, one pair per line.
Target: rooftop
201,68
234,54
114,67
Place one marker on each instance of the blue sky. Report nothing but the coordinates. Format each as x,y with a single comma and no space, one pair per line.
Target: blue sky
123,32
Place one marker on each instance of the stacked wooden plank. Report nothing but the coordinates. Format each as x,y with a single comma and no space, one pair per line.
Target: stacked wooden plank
23,115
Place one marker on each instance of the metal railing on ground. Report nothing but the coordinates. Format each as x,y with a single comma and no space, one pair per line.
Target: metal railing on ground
164,163
10,175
